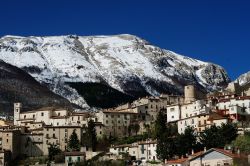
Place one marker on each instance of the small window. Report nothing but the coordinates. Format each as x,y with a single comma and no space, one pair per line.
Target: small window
24,116
42,114
7,140
33,116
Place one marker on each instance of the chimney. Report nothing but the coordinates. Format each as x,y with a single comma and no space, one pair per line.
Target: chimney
238,151
192,151
205,149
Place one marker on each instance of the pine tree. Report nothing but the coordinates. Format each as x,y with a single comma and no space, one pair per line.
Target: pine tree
212,137
229,132
53,150
91,135
74,143
185,142
164,135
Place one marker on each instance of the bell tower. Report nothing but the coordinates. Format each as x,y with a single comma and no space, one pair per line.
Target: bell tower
17,110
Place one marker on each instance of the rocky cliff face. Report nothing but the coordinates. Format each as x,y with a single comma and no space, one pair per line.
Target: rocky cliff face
121,64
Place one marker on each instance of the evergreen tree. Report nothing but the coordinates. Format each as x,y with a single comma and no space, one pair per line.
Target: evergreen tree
165,138
130,128
189,139
212,137
228,132
185,142
91,135
53,150
74,143
215,137
136,128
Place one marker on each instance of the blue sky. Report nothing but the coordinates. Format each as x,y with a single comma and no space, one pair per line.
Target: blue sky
217,31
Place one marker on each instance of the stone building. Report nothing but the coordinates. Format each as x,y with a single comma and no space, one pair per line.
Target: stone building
10,140
59,135
116,122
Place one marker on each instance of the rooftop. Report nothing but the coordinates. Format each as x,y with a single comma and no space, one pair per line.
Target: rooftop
45,109
178,161
75,153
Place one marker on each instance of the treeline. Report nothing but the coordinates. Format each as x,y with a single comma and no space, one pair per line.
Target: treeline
170,143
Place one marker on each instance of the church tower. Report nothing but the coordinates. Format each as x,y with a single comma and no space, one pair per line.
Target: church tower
17,110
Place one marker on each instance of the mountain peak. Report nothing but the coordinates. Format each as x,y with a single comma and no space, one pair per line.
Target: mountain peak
124,62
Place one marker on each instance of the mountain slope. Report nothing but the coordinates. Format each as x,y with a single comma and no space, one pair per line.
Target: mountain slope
125,63
17,86
243,79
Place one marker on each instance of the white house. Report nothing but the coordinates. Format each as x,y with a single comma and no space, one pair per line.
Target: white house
144,150
212,157
74,157
173,112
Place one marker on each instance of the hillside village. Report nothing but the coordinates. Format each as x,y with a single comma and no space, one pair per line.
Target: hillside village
32,133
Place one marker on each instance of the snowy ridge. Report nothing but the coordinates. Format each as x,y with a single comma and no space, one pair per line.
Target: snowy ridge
243,79
55,60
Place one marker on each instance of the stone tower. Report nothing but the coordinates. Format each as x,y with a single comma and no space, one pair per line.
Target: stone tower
189,93
17,110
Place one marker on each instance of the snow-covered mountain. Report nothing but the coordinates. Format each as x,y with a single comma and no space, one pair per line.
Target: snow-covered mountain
243,79
125,63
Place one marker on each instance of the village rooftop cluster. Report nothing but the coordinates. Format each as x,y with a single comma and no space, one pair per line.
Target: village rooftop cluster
31,133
